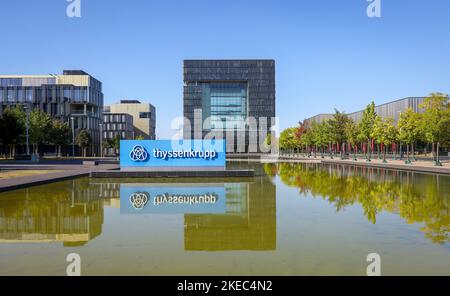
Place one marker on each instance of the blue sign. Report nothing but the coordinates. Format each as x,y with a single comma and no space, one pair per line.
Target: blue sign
177,154
147,199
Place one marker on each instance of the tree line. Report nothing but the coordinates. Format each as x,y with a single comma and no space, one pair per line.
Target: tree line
341,135
42,130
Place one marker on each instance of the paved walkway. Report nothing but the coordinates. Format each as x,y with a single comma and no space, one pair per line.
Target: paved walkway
62,172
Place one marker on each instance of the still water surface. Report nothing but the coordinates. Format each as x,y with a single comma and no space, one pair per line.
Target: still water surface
297,219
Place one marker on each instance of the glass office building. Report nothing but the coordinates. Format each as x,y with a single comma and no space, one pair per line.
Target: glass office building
232,99
74,97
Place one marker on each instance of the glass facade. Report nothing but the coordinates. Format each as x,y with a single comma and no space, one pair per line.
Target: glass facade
225,104
79,99
238,98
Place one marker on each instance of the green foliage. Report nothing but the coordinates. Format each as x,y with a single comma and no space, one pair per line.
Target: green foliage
384,131
435,123
288,139
12,126
40,126
352,132
367,122
60,133
83,140
409,127
337,127
321,134
113,143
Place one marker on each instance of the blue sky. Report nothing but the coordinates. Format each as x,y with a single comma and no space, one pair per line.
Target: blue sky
328,53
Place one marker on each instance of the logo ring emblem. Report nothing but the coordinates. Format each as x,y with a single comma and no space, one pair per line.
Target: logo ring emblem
138,154
139,200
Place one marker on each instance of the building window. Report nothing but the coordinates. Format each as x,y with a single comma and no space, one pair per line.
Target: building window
66,93
77,95
20,97
28,94
84,94
225,104
10,95
144,114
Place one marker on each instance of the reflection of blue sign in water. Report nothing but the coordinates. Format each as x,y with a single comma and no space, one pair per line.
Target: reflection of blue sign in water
136,199
176,154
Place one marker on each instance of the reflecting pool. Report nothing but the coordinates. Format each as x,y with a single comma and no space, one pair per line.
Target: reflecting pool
293,219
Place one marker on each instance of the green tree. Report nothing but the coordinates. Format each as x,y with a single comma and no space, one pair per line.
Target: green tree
40,125
307,141
352,135
113,143
314,137
321,136
436,121
139,137
409,130
83,140
384,133
366,127
60,135
288,139
12,128
337,125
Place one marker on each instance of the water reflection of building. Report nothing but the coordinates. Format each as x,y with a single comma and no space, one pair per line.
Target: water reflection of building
70,212
110,193
248,224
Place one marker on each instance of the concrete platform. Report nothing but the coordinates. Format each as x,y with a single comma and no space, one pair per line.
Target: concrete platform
171,174
62,172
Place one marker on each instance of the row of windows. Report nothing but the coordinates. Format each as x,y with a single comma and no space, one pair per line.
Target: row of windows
118,118
72,94
26,81
113,134
117,126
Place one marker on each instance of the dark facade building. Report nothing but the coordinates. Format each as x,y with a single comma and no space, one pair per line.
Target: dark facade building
74,97
233,99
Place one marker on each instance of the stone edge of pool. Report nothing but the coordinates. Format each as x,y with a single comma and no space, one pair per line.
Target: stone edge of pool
173,174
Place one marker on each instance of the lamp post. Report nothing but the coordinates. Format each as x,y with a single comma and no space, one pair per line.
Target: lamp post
27,129
101,140
73,135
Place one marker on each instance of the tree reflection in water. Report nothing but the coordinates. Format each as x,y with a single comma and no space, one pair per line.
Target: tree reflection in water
418,198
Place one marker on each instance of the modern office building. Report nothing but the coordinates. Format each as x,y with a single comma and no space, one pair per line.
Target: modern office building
392,109
117,125
231,99
143,114
74,97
